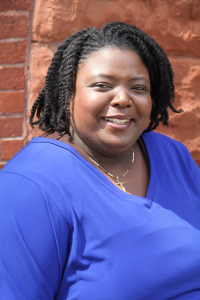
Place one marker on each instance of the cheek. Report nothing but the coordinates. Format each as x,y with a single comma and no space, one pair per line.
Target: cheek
89,104
144,107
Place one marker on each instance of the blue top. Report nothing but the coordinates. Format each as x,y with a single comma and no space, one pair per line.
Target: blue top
67,232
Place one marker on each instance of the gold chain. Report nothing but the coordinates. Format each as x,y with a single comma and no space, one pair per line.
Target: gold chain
114,176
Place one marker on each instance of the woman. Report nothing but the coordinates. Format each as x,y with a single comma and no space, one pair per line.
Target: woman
101,207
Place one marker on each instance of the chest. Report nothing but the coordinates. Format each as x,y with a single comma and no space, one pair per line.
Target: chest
125,250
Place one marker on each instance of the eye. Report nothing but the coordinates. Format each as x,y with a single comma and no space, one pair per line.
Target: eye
101,86
139,88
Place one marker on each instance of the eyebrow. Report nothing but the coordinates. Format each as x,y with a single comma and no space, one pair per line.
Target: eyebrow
103,76
113,77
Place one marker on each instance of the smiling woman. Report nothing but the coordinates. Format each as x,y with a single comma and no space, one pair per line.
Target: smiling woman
107,209
113,95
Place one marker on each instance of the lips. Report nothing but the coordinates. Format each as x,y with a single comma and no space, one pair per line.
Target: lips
118,121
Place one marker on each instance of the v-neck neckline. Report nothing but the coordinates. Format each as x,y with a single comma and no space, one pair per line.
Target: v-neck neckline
108,183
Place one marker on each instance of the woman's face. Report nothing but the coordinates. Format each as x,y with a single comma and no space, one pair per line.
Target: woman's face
112,104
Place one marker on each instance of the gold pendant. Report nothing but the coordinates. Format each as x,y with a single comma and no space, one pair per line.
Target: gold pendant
121,184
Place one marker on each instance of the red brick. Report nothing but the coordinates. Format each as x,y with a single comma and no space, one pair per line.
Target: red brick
6,5
2,165
9,148
13,26
12,78
11,126
12,53
12,102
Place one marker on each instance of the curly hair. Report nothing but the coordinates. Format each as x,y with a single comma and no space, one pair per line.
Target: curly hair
52,102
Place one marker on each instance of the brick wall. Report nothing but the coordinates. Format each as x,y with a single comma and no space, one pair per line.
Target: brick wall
13,44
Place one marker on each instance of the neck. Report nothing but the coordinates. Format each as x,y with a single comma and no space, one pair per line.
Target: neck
112,160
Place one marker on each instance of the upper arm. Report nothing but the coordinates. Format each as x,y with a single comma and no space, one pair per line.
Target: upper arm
32,231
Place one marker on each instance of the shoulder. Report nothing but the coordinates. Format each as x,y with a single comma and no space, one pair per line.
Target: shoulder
40,151
43,158
160,138
171,154
165,144
44,169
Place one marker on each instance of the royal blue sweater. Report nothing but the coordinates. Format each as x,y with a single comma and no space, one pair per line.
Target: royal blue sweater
67,232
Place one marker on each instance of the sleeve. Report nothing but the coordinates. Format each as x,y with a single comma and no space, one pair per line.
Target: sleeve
33,241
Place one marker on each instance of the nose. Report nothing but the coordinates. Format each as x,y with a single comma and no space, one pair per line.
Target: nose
121,99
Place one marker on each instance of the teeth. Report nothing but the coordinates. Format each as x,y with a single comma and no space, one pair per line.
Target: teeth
117,121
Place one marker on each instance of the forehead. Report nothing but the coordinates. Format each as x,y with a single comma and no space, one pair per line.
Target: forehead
113,60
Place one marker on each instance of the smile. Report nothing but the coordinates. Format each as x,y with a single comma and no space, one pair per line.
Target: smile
117,121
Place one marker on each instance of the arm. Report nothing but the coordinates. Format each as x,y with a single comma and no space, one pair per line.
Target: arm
32,251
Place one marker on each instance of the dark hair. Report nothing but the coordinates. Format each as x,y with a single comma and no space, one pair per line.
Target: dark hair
51,104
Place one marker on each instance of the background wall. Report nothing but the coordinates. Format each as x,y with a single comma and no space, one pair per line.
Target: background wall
14,17
174,24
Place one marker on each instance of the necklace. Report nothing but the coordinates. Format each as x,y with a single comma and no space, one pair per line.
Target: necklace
114,176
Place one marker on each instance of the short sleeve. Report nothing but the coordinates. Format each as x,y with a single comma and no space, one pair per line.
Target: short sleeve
33,241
